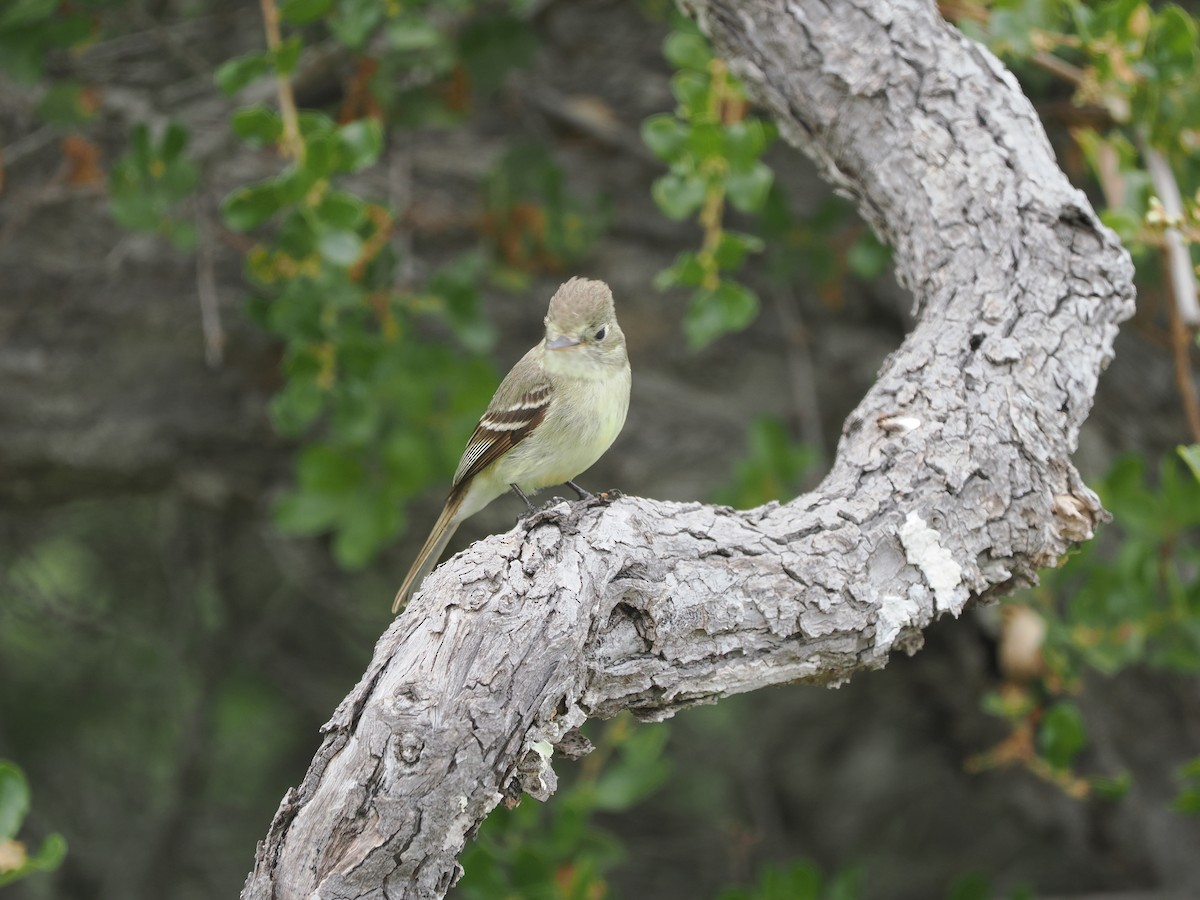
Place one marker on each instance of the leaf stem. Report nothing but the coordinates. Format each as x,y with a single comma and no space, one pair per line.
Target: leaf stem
292,144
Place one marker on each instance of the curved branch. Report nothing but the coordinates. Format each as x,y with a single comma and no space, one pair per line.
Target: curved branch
952,481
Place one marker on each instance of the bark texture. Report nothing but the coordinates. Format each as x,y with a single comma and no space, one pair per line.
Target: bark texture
952,482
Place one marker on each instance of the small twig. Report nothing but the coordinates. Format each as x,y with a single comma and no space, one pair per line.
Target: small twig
1058,66
206,292
1179,260
586,115
30,143
292,144
176,47
1181,348
136,42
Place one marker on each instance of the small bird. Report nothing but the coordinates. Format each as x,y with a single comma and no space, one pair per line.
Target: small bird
553,416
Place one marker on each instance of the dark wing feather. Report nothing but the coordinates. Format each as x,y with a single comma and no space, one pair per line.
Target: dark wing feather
518,407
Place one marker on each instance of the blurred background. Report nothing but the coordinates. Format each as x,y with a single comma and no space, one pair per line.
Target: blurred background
257,282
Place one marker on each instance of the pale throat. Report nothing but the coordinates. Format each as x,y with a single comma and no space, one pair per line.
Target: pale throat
575,362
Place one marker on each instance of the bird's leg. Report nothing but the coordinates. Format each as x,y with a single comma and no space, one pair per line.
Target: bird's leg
520,493
583,495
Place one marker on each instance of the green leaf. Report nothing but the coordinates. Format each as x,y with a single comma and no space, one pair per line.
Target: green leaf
355,20
712,313
307,513
1061,734
341,211
371,521
297,406
325,468
801,881
27,12
64,104
746,140
14,800
1191,456
182,234
677,195
141,148
868,258
638,772
773,468
412,33
687,51
1189,799
257,125
747,189
323,157
733,247
492,45
971,887
250,206
50,855
361,142
342,248
706,139
691,89
665,135
1125,222
28,34
149,181
287,57
299,12
845,885
174,142
47,858
313,124
1113,787
235,74
686,270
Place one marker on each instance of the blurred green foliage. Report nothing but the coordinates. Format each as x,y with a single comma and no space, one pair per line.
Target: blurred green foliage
157,689
978,887
31,29
1189,800
15,861
713,148
1131,597
774,467
1134,61
384,410
800,881
533,221
148,183
557,850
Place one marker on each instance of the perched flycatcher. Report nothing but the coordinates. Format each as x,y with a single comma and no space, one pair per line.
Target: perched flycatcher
552,417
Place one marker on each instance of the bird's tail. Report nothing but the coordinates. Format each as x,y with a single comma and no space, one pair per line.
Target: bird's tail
435,544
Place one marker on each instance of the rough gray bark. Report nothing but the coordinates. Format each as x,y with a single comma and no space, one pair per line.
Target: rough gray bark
953,479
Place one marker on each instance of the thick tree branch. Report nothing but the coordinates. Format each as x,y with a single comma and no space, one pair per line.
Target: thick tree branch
952,481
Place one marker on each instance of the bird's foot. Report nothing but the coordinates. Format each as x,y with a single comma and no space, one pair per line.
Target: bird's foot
582,493
592,499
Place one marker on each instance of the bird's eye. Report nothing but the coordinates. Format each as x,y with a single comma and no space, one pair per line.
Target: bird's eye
600,332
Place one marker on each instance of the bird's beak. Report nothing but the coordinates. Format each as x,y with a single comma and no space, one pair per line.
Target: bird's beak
562,342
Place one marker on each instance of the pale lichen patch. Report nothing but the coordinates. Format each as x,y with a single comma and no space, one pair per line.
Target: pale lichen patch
924,549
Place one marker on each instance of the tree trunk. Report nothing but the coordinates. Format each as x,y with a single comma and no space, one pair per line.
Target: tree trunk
953,479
